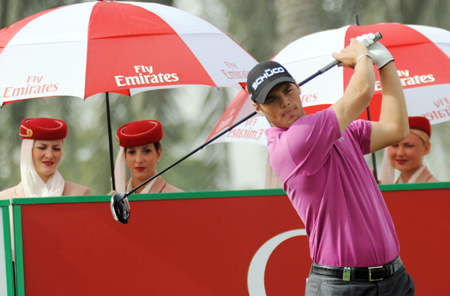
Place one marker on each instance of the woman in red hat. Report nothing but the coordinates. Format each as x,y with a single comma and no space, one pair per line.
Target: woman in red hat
42,149
140,150
407,156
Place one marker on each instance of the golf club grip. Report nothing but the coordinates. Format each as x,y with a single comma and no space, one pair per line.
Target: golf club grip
378,37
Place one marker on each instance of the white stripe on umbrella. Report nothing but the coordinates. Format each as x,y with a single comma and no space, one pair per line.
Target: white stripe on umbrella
37,67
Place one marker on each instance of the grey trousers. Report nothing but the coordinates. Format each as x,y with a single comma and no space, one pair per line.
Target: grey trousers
399,284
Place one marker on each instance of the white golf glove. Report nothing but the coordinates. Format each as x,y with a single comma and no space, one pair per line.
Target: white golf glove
380,55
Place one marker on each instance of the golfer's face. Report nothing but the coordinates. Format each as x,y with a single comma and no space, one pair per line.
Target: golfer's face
283,105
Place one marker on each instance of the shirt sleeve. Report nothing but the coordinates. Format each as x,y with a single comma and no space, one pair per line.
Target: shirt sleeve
311,138
361,131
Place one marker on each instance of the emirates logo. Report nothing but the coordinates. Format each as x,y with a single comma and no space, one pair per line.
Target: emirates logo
145,76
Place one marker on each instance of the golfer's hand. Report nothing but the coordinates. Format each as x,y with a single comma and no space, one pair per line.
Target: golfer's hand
380,55
349,55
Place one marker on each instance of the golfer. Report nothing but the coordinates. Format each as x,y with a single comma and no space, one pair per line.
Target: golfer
319,159
41,152
140,149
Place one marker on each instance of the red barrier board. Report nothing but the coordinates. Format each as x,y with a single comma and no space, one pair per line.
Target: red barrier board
422,223
213,243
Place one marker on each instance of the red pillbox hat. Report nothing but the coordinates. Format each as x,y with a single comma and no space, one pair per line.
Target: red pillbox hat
43,129
420,123
139,133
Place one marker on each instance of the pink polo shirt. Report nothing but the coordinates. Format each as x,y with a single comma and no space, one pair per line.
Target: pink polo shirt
333,190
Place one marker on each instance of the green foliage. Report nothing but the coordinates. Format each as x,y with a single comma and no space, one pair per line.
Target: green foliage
252,24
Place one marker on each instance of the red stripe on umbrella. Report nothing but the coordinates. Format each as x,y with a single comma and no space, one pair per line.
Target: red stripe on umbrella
6,34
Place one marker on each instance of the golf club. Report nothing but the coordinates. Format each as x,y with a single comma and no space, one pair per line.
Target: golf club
120,206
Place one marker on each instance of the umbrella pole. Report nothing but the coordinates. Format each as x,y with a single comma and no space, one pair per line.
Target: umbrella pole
111,158
373,153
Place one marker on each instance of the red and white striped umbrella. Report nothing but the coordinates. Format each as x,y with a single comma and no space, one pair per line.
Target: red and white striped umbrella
122,47
422,59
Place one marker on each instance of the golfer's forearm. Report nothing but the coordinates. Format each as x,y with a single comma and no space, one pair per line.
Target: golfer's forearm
358,94
393,107
362,82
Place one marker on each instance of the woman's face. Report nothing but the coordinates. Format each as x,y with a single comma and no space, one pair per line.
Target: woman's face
407,156
46,157
142,161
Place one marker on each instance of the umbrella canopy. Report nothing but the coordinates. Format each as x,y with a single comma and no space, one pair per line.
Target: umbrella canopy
422,58
250,131
122,47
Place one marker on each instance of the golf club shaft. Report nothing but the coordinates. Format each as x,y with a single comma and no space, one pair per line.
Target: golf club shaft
322,70
378,37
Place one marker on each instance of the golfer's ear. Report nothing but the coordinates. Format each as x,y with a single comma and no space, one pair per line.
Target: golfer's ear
258,109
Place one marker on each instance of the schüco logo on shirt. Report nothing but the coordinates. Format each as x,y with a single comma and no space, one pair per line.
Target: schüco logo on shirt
267,73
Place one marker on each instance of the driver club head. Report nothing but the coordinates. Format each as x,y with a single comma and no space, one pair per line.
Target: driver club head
120,207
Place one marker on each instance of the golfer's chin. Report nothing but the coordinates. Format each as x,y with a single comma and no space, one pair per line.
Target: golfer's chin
287,120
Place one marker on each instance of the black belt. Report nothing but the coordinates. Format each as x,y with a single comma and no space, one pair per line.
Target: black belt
376,273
